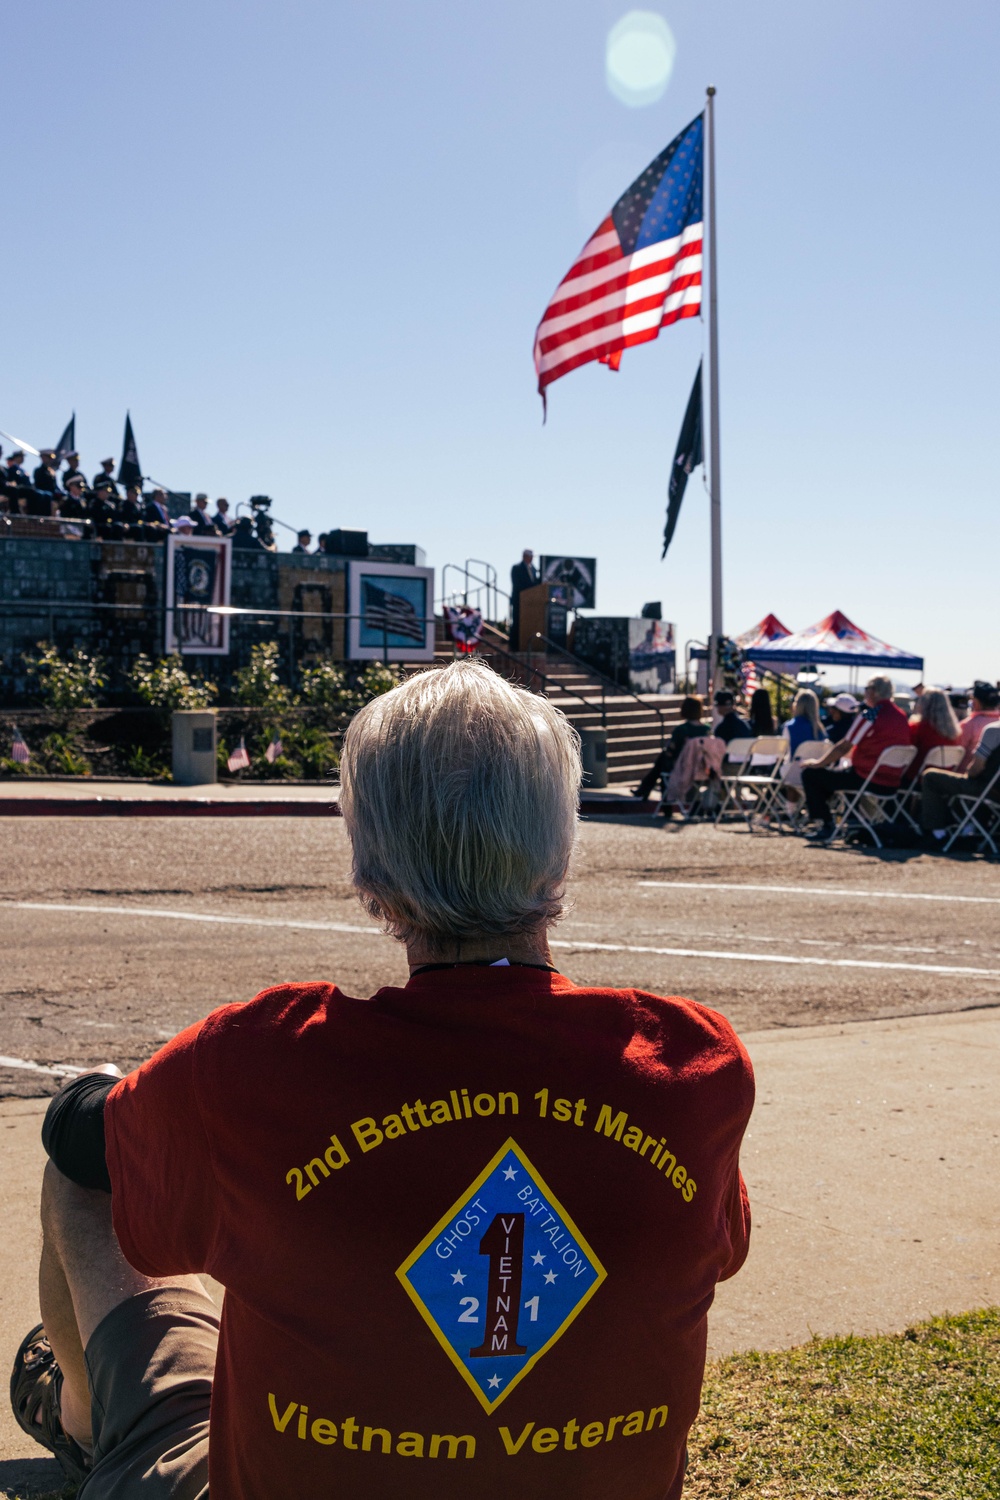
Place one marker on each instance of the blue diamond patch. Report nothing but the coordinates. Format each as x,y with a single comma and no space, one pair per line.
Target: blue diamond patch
500,1278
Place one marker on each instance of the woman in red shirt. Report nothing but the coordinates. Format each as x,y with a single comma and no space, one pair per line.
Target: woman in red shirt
933,723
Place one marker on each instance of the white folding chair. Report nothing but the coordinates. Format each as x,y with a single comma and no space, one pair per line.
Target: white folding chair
700,798
736,755
780,809
941,758
757,774
979,811
869,804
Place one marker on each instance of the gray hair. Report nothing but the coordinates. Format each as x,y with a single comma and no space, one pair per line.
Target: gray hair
460,795
880,688
934,709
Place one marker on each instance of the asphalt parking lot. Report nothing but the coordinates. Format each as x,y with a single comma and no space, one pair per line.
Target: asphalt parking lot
865,987
118,932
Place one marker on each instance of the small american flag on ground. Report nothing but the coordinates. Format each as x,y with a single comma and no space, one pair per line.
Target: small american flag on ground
639,271
19,750
239,760
274,749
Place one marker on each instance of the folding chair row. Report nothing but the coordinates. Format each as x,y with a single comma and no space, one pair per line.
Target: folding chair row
751,782
870,804
941,758
979,811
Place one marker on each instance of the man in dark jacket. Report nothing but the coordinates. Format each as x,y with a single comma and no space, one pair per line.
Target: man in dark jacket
46,475
72,471
523,575
200,518
105,480
156,515
730,726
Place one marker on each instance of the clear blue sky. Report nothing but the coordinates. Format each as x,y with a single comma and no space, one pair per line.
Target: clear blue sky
307,244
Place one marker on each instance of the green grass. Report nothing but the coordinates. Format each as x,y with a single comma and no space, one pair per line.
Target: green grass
912,1416
907,1417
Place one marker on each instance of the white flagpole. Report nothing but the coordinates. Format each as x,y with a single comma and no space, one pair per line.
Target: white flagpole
715,478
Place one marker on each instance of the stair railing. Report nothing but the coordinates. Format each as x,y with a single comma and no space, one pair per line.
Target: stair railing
606,682
529,675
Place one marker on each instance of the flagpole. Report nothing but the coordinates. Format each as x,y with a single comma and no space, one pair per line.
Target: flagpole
715,477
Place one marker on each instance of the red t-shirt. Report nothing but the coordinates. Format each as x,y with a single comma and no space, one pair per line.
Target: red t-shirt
889,727
469,1230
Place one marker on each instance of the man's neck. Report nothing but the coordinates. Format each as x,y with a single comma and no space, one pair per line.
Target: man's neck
524,948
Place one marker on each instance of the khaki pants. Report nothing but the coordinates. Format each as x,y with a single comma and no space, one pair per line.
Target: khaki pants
150,1364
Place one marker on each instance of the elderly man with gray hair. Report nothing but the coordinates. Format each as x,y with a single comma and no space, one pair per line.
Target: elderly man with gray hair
469,1229
879,725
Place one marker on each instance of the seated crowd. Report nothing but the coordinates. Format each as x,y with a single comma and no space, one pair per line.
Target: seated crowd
839,749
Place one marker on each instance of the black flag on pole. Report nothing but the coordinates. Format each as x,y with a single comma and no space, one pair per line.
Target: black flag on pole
129,471
689,455
67,443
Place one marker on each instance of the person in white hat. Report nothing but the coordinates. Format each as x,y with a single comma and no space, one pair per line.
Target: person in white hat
842,713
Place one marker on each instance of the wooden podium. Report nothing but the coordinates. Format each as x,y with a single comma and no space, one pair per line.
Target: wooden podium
541,611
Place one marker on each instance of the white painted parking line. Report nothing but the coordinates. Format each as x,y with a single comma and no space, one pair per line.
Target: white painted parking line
782,958
189,916
815,890
57,1070
579,946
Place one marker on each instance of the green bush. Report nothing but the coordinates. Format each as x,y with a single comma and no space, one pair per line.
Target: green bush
315,752
324,685
165,685
259,685
67,684
60,755
150,766
377,679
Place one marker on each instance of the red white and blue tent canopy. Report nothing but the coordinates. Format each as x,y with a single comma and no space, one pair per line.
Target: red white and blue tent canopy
836,641
766,630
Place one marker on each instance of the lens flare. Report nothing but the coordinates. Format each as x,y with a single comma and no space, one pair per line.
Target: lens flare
639,58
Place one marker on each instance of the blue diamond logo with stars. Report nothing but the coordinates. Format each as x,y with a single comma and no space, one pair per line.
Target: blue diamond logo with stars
501,1276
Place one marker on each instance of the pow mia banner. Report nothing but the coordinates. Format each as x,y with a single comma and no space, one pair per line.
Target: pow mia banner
199,573
690,453
500,1278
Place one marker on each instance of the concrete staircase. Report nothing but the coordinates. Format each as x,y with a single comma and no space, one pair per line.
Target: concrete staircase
637,726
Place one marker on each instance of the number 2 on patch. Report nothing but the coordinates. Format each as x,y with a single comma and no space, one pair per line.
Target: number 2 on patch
471,1305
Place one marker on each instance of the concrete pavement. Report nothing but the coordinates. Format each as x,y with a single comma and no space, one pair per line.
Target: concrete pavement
872,1166
88,796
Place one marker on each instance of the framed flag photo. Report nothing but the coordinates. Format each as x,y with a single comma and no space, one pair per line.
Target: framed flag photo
199,577
391,612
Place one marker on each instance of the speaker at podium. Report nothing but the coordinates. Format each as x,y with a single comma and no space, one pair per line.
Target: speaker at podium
543,610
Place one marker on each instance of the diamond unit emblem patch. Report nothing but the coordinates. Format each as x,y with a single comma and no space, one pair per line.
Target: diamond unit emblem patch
500,1278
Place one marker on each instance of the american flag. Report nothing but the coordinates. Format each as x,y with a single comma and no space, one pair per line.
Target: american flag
639,271
274,749
392,613
239,760
19,750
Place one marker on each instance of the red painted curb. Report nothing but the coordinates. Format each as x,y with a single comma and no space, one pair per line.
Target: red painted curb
147,807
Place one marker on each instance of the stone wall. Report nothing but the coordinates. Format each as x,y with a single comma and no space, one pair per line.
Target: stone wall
108,597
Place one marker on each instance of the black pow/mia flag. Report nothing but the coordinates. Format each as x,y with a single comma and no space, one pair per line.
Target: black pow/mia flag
129,471
687,458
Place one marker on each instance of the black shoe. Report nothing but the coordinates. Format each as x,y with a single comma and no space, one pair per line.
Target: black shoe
821,835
